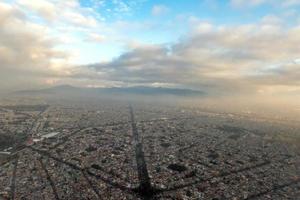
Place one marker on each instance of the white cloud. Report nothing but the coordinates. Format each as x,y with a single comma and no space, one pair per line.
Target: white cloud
27,51
79,19
291,2
251,3
158,10
218,59
40,39
241,3
44,8
94,37
61,12
118,8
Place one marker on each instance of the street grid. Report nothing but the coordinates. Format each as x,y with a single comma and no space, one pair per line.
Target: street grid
184,156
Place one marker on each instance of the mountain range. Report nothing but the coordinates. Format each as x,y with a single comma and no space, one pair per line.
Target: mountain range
138,90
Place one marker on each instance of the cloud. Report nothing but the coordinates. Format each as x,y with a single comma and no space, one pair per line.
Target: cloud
61,12
94,37
219,59
158,10
26,52
37,40
240,3
117,8
40,40
252,3
291,2
44,8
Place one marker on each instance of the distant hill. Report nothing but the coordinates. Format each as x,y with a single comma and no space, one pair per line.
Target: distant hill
140,90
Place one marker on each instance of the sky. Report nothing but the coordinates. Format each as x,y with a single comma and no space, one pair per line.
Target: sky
222,47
